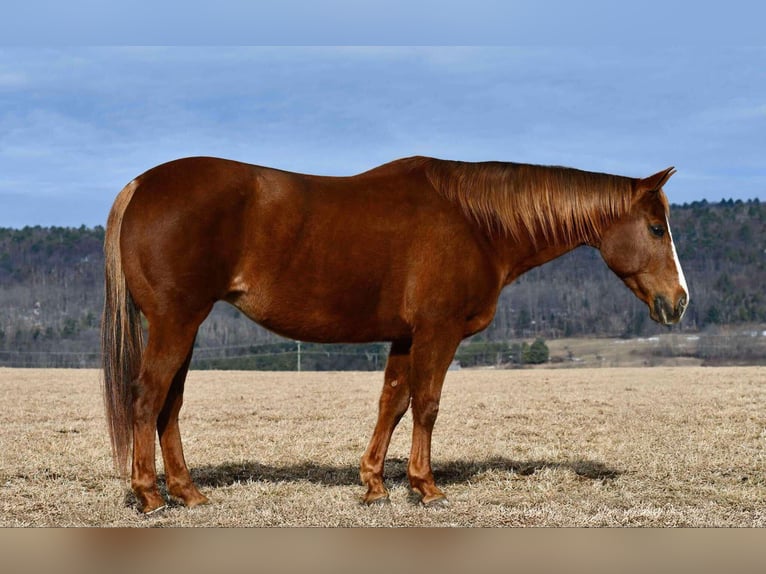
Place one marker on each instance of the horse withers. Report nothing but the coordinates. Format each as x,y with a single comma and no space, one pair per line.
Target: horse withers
414,252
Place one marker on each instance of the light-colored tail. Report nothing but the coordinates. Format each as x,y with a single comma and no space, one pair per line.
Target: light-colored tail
121,338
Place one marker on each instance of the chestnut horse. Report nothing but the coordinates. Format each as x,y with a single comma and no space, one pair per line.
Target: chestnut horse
415,252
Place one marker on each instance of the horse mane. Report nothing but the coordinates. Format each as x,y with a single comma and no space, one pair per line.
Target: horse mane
555,204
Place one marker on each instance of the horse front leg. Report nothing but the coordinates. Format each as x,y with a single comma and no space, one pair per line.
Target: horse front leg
432,354
394,401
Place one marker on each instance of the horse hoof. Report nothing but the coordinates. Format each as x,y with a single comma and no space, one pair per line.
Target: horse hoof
440,502
382,501
152,511
432,501
149,502
198,499
187,494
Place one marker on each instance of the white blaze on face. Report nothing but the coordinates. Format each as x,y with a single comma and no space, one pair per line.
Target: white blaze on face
681,278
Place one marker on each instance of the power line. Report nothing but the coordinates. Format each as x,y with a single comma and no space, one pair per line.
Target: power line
51,353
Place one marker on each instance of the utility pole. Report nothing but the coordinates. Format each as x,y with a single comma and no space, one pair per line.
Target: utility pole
299,355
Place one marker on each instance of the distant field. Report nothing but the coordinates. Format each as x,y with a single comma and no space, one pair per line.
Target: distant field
659,350
660,446
724,346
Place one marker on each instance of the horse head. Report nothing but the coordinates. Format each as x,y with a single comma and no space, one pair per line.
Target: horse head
639,248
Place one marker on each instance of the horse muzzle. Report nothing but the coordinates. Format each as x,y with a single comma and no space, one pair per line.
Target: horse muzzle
666,313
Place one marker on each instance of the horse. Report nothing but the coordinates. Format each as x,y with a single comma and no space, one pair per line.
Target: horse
414,252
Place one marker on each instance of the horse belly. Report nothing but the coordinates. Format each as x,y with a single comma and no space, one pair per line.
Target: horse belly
322,309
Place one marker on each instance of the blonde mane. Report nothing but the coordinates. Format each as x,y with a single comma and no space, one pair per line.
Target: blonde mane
554,204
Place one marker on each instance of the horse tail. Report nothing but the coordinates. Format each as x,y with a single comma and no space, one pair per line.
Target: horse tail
121,338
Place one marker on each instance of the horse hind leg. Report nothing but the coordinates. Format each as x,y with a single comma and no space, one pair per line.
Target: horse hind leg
394,401
167,351
177,477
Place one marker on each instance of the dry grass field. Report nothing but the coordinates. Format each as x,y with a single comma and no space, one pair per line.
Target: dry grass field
548,447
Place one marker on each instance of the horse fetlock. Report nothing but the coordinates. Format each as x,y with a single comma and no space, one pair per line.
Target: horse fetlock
423,483
373,478
149,499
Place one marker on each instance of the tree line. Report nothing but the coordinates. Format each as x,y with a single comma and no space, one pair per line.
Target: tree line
51,294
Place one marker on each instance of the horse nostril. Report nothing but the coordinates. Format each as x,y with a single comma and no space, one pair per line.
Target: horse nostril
681,307
661,309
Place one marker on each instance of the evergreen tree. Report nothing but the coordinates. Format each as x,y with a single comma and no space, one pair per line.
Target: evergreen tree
537,353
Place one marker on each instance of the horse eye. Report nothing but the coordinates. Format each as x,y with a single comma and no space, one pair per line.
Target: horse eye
657,230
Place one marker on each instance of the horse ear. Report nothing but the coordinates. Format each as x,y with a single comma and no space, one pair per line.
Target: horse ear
656,181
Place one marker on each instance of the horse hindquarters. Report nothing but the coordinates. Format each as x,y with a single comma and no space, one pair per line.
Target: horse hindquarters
174,274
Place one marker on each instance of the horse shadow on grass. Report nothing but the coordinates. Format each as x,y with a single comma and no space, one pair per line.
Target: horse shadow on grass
446,472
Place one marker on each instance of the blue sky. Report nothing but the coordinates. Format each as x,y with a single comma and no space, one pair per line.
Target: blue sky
76,124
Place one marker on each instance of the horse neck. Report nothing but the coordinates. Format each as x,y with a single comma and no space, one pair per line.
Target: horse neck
516,257
534,214
532,199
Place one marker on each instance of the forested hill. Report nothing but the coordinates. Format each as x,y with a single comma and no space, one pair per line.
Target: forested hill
51,290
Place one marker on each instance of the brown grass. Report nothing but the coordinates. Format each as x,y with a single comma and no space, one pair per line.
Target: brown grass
580,447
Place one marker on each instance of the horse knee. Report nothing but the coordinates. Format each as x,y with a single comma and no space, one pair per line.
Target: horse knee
400,406
425,412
